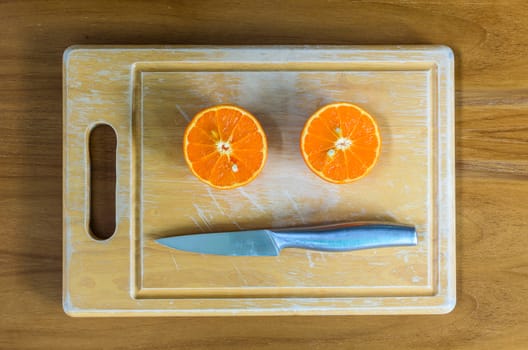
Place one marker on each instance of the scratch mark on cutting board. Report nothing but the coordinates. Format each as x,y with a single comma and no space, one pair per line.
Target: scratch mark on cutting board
240,274
196,223
215,201
175,263
416,279
213,197
202,216
182,112
295,206
404,255
236,224
310,261
251,199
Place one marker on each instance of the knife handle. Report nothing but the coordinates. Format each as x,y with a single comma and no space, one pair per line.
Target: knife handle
342,238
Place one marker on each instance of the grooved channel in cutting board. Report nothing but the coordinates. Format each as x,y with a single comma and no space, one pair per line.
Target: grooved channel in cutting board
170,201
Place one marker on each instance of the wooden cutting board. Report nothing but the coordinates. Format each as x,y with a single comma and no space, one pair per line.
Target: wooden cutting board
148,95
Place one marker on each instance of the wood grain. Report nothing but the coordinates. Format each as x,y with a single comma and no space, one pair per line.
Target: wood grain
408,88
492,166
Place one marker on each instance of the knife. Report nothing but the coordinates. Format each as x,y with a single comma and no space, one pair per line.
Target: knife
333,238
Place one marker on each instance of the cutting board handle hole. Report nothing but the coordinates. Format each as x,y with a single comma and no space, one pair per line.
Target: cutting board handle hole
102,146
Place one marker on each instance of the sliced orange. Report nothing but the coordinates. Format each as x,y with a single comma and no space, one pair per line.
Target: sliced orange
340,143
225,146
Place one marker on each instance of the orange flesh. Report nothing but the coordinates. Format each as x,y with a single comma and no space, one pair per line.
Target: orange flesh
225,146
340,143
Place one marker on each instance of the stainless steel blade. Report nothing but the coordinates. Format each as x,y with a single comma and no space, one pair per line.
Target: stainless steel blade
241,243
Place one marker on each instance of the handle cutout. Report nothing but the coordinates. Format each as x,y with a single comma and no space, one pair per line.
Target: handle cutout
102,146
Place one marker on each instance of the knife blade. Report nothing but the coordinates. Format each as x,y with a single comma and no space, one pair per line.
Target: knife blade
267,242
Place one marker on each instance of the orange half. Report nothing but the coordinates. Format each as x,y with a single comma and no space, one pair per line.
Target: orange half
340,143
225,146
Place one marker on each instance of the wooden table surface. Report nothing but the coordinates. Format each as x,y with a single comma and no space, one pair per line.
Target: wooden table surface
489,39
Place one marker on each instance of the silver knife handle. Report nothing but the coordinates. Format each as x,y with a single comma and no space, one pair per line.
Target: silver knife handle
340,238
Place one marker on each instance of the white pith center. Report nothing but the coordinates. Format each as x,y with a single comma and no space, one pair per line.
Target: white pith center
342,143
224,147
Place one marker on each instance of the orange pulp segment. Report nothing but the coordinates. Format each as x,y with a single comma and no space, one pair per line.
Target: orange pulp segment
225,146
340,143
